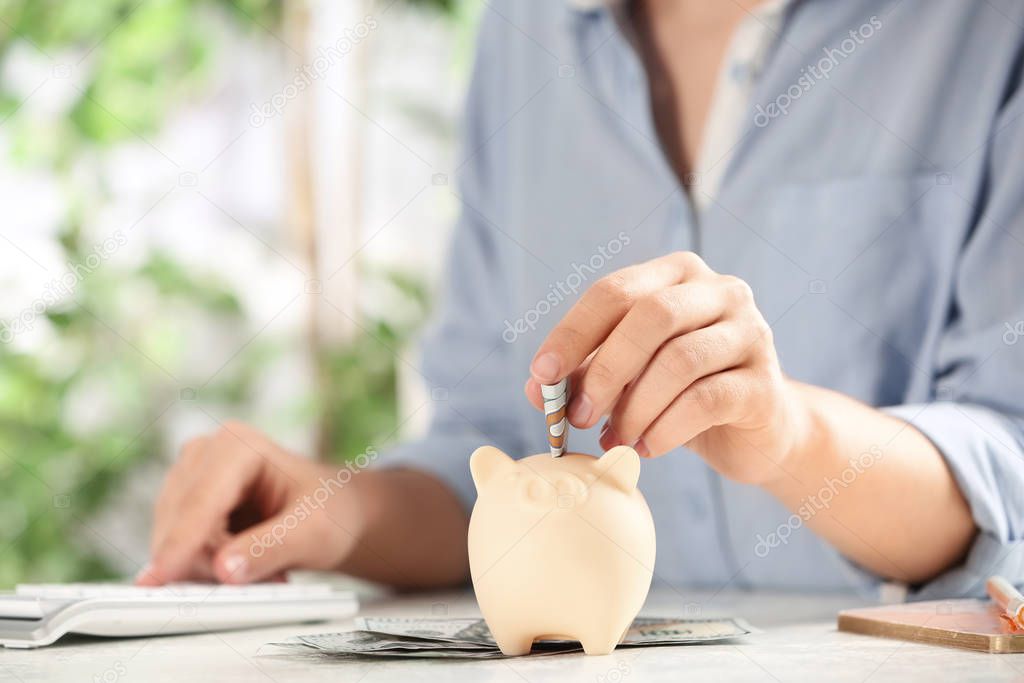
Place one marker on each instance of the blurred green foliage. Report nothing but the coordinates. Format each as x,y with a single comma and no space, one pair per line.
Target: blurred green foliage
56,471
102,352
142,57
368,367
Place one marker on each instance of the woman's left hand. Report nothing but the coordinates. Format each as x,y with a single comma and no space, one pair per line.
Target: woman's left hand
677,355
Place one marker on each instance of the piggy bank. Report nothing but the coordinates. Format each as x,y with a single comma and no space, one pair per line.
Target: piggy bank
559,548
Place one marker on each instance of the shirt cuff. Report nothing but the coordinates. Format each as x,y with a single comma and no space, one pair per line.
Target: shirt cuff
983,450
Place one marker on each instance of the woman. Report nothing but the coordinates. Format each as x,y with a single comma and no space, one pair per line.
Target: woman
777,247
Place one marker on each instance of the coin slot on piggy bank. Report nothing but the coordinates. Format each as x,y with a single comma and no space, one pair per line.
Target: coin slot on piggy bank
559,548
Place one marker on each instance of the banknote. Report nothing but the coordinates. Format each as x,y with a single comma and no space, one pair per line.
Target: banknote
365,641
470,638
643,631
468,630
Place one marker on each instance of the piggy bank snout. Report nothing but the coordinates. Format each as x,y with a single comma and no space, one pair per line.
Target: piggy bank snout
561,491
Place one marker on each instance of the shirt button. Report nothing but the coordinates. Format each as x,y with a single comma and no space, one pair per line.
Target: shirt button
740,72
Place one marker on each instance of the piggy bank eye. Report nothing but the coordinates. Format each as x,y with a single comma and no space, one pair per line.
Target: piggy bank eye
537,490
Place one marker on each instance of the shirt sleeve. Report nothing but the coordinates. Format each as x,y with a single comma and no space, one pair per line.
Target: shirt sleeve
467,364
977,419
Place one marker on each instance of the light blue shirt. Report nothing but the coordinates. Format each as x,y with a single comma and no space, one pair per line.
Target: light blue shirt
877,211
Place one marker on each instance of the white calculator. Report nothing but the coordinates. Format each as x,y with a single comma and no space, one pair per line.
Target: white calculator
35,615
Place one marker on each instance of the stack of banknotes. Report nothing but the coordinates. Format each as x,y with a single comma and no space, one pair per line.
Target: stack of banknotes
471,639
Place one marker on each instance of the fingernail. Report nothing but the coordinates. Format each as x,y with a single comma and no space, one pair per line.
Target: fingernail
641,448
545,367
581,410
236,567
147,570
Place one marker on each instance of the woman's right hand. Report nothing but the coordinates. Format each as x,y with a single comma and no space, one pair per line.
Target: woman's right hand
237,508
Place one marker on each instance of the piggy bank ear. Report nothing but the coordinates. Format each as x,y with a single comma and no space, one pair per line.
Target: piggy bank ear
620,466
486,462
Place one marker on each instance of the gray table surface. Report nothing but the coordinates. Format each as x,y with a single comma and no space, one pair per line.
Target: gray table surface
798,641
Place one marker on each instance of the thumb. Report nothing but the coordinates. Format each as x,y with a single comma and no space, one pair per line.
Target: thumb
259,553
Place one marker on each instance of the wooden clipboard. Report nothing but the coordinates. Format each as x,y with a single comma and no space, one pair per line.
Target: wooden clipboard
971,624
